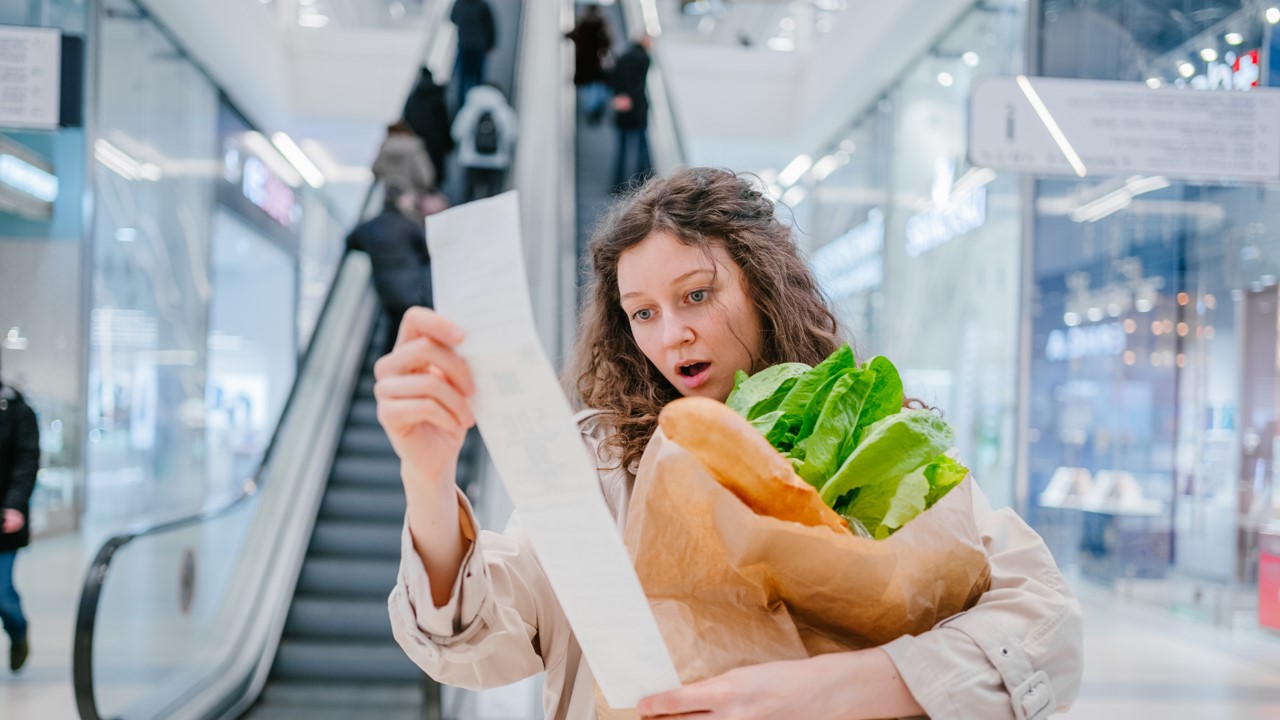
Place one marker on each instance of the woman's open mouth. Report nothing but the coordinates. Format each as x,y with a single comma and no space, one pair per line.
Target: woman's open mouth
693,374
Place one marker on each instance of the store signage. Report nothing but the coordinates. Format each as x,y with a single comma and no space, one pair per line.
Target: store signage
30,77
950,216
1078,128
1086,341
1237,73
854,261
268,192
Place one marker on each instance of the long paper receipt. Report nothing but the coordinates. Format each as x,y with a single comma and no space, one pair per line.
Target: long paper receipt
479,283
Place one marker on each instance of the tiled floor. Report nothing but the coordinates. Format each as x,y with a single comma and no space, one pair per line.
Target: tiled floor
1140,661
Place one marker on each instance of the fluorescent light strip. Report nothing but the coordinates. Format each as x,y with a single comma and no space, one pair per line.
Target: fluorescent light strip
27,178
115,159
795,170
298,159
649,9
1052,125
267,152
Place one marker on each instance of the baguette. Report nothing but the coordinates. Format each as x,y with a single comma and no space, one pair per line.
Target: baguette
744,462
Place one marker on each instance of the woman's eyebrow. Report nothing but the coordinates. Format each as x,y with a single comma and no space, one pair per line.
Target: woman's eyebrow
676,281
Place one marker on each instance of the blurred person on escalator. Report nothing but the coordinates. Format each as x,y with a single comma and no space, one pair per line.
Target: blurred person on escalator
403,161
630,79
427,113
477,36
485,130
396,242
19,461
592,43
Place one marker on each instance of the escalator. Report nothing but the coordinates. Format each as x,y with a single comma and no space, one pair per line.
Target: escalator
337,658
272,605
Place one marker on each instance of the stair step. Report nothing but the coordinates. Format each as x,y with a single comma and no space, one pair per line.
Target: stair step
365,440
348,577
270,711
356,539
374,503
331,619
345,662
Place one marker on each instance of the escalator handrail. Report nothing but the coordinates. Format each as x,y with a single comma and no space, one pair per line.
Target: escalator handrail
662,111
96,575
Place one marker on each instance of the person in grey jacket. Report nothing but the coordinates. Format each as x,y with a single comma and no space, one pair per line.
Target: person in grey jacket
19,461
485,131
403,161
694,279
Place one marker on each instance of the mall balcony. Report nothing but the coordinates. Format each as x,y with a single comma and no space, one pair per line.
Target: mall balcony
1060,219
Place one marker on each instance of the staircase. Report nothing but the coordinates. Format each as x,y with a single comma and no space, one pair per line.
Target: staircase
337,659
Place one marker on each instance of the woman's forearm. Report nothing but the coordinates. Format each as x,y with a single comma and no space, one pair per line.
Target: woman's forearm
436,532
865,685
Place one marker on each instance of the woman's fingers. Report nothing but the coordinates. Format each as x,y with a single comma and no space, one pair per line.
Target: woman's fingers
408,413
425,322
420,354
431,385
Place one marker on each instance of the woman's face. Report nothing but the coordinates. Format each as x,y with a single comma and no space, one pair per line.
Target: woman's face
689,313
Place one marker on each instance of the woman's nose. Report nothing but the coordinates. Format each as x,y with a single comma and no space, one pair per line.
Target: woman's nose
677,333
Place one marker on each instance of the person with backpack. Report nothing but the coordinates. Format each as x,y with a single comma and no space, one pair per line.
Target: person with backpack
485,131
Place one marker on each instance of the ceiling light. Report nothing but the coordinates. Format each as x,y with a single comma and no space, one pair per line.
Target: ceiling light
1186,69
825,167
1273,15
794,196
1209,54
781,44
1154,83
1050,124
970,58
312,20
298,159
262,148
945,79
1233,38
795,170
397,10
787,23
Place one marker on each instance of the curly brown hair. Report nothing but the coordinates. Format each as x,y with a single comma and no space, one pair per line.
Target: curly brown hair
702,207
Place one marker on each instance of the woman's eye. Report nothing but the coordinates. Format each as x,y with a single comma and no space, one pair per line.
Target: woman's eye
642,314
698,296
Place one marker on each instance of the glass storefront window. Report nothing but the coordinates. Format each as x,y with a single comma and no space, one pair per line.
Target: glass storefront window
920,253
1154,393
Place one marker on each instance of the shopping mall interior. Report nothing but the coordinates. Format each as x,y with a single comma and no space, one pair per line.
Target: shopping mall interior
1059,219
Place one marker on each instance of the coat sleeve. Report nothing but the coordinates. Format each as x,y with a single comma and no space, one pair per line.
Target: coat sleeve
424,173
494,629
1017,653
26,462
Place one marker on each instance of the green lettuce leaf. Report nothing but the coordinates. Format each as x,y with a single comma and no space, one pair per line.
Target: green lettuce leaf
903,504
806,398
753,395
884,399
821,453
943,474
890,450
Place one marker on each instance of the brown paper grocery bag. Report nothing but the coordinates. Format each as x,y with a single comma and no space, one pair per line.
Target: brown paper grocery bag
731,588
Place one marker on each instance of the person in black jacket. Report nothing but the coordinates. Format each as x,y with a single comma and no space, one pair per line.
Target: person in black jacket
19,461
592,42
428,114
396,242
477,36
631,112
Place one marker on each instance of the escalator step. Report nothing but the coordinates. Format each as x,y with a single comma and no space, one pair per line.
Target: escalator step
361,470
345,695
365,440
343,662
374,503
363,413
330,619
346,577
356,539
273,711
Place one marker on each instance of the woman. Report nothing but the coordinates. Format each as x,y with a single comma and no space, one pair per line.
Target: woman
694,278
403,161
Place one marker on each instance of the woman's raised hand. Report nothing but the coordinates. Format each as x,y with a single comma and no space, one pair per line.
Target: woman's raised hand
421,389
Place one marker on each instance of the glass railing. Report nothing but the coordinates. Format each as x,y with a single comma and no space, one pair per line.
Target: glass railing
179,619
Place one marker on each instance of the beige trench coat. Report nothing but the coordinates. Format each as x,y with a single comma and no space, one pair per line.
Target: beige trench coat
1016,654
